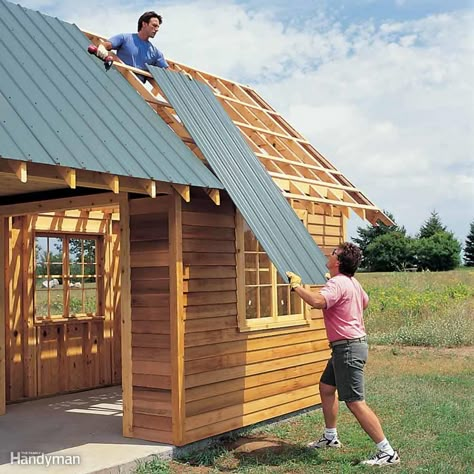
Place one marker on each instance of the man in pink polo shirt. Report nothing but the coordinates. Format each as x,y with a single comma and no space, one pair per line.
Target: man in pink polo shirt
343,301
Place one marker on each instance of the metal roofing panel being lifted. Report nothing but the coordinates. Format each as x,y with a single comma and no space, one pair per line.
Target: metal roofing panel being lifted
59,106
266,211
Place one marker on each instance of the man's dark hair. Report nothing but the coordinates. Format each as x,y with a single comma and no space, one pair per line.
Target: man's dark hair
349,256
146,17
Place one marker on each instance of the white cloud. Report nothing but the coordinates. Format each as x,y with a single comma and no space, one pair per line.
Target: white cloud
389,104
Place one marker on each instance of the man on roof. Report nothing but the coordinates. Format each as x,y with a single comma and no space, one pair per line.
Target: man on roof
136,49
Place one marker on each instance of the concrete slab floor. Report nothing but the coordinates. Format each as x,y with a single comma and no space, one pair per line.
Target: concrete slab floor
86,424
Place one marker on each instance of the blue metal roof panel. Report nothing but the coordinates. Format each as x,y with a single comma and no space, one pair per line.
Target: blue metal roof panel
58,105
266,211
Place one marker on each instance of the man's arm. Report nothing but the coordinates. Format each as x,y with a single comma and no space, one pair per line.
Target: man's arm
313,298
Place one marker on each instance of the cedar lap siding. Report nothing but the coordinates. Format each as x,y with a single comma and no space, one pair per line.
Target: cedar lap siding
195,373
170,324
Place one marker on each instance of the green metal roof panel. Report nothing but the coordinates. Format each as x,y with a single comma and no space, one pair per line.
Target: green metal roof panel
59,106
266,211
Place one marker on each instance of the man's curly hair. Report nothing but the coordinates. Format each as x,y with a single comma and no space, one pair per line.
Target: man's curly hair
349,256
147,16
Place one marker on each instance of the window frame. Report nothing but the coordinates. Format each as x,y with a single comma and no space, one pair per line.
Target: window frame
274,320
66,276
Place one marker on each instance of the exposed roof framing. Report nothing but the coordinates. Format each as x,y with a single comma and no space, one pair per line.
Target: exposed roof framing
301,172
41,177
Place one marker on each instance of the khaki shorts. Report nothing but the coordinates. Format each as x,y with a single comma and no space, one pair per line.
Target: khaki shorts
345,370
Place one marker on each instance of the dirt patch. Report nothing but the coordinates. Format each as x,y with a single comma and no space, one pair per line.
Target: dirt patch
255,445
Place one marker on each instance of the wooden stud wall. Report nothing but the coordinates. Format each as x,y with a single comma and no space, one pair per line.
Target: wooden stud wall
150,319
326,230
56,356
3,307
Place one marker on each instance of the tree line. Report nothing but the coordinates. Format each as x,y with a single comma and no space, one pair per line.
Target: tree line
434,248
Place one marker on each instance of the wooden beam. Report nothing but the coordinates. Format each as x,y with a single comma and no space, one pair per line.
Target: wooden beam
316,182
27,309
150,188
126,315
19,168
113,183
225,98
176,319
240,261
361,213
69,175
183,190
270,132
3,312
41,173
215,196
351,205
76,202
298,163
345,212
52,174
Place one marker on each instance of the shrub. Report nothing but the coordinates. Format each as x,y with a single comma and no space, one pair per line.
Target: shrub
440,252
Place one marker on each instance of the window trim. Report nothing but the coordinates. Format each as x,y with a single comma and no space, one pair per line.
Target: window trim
274,321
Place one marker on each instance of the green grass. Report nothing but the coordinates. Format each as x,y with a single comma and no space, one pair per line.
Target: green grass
423,395
57,300
155,465
420,309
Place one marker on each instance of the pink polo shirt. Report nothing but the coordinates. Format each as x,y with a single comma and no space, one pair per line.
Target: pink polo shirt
345,302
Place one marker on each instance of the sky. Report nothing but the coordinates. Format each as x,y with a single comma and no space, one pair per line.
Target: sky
382,88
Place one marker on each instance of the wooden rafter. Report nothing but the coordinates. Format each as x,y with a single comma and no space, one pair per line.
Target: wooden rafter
69,175
183,190
58,175
215,196
285,153
20,170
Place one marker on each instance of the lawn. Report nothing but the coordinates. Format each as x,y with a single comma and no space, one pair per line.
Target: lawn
420,381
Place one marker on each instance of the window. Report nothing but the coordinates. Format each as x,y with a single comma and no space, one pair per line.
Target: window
67,276
265,299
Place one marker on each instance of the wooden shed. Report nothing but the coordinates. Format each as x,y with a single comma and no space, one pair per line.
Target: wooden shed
154,283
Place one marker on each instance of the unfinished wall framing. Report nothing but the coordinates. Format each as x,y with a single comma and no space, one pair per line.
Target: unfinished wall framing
61,352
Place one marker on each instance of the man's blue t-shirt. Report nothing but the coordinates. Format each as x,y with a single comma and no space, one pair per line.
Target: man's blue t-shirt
137,53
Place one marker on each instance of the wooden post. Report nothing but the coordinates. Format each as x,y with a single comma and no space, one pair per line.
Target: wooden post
343,228
240,267
29,330
126,314
3,325
177,318
107,311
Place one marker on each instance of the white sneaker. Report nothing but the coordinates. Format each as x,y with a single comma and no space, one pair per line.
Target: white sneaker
383,459
325,443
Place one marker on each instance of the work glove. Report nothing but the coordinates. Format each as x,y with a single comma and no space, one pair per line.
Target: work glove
102,52
295,280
